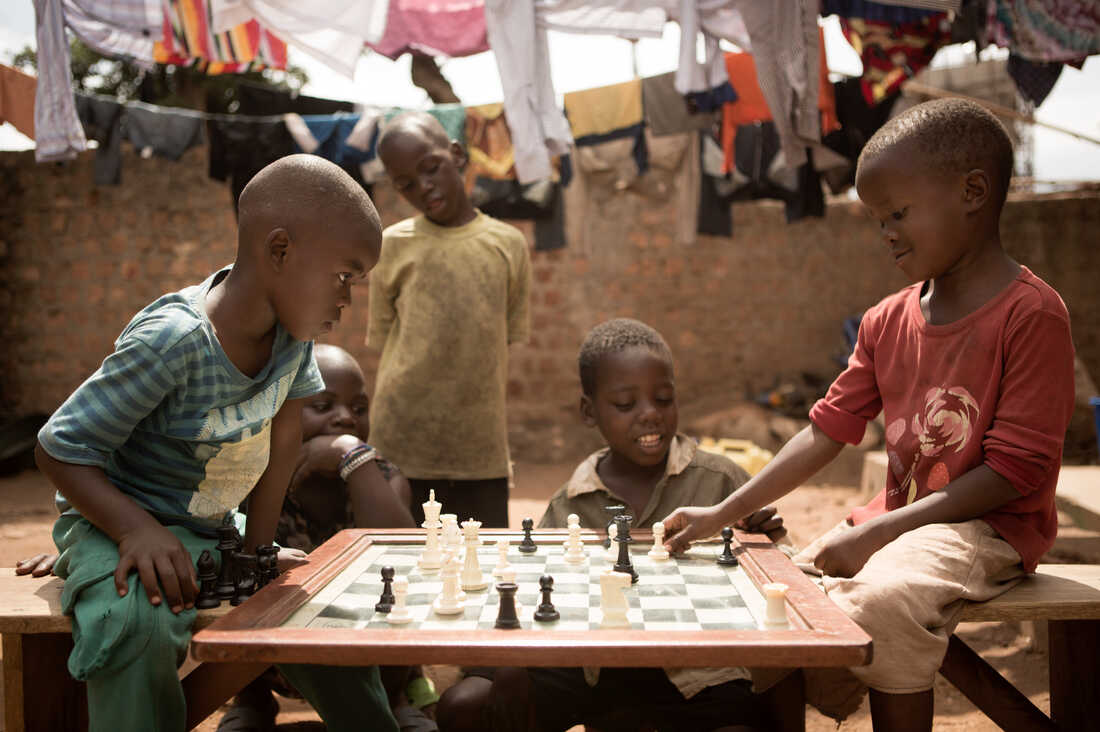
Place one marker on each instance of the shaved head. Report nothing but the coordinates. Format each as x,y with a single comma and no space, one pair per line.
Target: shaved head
420,124
303,194
333,357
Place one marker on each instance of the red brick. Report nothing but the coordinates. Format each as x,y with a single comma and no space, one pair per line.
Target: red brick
543,274
661,241
552,298
580,266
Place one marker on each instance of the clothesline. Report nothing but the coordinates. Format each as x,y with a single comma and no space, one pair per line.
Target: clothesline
916,88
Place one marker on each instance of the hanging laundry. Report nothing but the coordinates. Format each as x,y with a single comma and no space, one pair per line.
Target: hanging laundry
453,29
668,112
333,32
1034,79
122,29
874,11
752,106
334,137
258,100
241,148
451,116
789,55
893,53
1045,30
58,132
189,40
17,92
607,113
102,120
162,131
607,185
539,129
858,121
488,145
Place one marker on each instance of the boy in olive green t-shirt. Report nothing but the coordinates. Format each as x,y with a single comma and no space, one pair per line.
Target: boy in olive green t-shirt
446,298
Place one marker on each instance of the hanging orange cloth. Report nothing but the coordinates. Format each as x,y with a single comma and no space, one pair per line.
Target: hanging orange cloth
750,106
17,92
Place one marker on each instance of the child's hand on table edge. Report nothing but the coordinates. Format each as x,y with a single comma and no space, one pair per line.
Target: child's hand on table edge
39,565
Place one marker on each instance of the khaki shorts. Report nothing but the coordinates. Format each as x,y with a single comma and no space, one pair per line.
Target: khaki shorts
910,594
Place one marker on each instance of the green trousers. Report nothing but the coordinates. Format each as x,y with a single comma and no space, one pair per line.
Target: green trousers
128,650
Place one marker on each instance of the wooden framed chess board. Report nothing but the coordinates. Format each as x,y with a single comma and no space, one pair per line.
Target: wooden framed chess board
687,611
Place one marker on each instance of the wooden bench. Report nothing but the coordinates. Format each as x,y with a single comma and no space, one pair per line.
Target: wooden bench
1067,598
39,694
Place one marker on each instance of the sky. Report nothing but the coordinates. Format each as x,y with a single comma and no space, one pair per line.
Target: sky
1074,103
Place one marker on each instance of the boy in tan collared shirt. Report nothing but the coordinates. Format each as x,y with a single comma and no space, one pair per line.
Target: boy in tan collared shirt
628,394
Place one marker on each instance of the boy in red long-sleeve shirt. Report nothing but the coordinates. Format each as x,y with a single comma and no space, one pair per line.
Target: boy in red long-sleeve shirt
972,366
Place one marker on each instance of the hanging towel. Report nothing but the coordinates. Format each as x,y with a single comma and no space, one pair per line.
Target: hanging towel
605,111
164,132
1034,79
189,40
451,116
102,120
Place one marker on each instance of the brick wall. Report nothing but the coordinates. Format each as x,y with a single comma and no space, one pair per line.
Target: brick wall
76,261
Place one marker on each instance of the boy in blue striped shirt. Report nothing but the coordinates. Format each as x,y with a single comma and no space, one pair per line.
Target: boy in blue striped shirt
198,407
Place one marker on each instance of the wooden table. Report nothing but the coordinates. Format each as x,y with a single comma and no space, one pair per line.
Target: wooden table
819,634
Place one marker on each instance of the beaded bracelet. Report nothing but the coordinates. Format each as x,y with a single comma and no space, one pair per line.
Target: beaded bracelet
356,458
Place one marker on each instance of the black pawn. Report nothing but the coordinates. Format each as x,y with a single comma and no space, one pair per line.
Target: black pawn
727,559
506,614
614,511
246,578
385,602
546,611
527,546
208,580
622,536
226,587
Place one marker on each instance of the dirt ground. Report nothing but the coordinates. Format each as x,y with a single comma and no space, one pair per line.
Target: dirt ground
26,514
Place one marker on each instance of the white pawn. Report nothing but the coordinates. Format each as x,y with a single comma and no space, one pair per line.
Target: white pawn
399,614
472,578
775,611
658,553
574,547
612,600
450,601
502,559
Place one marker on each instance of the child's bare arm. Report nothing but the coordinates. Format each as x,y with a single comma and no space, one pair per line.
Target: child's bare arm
374,502
798,460
265,503
972,495
143,542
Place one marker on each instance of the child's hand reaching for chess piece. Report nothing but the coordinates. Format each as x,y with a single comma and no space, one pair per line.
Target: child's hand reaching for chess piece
765,521
290,558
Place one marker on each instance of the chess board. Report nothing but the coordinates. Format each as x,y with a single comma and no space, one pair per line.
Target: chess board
689,611
689,593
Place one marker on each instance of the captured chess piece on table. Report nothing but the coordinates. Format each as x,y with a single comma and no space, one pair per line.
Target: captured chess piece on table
727,559
208,580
